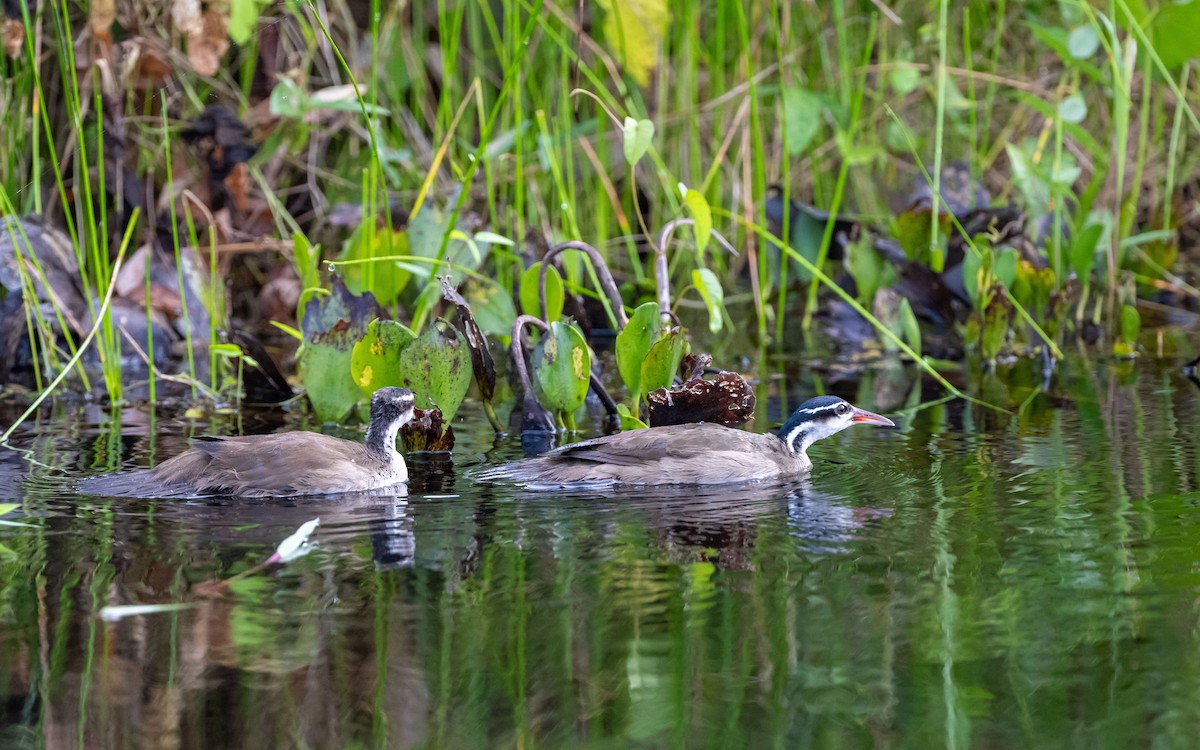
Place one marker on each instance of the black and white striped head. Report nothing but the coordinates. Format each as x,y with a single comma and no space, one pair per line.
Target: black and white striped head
821,417
391,408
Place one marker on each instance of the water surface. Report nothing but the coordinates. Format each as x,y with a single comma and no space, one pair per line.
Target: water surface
971,580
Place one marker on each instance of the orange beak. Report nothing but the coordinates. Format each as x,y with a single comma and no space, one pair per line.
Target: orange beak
862,416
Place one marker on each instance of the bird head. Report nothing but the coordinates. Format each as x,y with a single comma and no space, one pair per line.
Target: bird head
821,417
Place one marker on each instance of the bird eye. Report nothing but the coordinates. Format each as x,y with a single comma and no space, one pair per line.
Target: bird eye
841,408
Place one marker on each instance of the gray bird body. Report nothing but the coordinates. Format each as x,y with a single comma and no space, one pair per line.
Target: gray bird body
691,454
279,465
677,454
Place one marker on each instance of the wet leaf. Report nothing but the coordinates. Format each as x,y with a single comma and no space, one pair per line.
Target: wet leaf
562,368
662,361
709,286
481,356
639,134
629,420
375,360
332,325
698,207
436,367
554,292
633,344
428,431
727,399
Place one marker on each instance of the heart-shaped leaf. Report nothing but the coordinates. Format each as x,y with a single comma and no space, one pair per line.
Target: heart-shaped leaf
375,361
633,344
662,361
698,207
709,286
332,326
638,136
554,292
436,366
562,367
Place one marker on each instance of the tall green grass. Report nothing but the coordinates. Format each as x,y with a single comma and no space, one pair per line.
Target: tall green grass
517,99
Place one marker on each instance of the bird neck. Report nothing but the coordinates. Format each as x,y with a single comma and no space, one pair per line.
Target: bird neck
381,435
797,437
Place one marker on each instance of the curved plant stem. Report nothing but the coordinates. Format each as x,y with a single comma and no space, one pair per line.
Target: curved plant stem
602,273
662,275
518,354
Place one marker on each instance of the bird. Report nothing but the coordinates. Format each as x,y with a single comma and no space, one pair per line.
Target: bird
278,465
690,454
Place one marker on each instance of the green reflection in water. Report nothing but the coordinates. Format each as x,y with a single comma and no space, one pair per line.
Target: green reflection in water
971,580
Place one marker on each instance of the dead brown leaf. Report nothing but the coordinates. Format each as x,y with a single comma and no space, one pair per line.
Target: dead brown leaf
12,35
207,46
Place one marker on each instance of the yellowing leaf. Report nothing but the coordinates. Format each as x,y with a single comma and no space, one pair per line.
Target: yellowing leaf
633,30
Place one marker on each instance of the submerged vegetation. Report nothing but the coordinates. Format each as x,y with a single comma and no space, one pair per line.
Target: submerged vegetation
975,183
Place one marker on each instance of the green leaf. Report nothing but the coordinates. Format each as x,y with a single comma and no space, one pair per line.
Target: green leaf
492,307
802,111
554,292
905,78
375,360
1082,253
562,367
870,270
1174,32
638,136
629,420
332,325
243,17
289,100
436,366
383,278
634,342
306,256
7,508
1073,109
697,206
709,286
1005,267
662,362
1131,324
1082,42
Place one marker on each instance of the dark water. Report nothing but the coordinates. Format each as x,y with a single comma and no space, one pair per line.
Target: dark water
973,580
